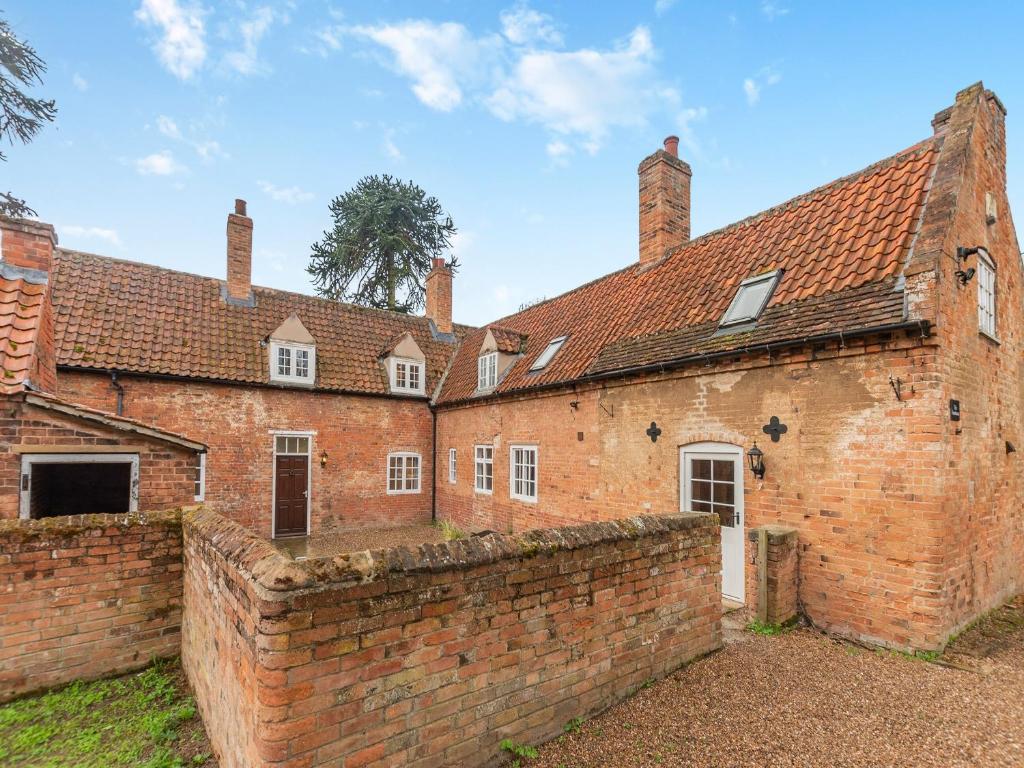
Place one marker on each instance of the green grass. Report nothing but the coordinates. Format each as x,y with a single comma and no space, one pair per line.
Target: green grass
450,531
137,720
766,630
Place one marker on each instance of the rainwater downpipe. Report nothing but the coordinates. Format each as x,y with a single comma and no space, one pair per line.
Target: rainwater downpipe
119,388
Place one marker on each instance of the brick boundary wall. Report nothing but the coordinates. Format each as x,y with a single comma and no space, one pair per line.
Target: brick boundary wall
431,656
86,596
776,575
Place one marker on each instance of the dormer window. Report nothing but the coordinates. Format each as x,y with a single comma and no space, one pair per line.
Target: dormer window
292,363
406,376
751,298
548,354
487,371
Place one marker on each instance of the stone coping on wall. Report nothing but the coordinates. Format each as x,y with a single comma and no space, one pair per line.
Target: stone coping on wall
74,525
276,574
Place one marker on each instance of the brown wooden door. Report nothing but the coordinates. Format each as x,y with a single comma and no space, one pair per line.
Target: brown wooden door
290,495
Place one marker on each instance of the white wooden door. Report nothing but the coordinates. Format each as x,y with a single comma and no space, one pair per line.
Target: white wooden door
711,476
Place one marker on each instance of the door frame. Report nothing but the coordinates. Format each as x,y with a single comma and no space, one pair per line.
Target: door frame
30,459
737,454
274,434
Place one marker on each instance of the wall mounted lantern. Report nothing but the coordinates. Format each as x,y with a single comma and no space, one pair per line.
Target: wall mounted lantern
962,254
756,457
323,459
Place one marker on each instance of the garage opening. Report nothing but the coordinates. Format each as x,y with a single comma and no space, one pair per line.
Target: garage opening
53,486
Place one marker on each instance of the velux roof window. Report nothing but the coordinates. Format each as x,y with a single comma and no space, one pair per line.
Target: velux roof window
751,298
548,354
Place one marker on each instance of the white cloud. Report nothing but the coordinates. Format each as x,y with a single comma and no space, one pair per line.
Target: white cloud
522,25
91,233
581,92
558,149
289,195
158,164
753,86
181,47
246,61
773,10
79,82
434,56
685,120
168,127
663,6
753,91
390,148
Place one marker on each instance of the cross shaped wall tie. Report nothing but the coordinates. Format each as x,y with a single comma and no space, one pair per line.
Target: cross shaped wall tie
653,432
775,428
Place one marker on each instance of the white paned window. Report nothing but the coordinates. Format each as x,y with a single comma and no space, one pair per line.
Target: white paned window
484,469
751,298
452,474
986,297
548,354
403,473
201,478
292,363
523,472
406,376
291,445
487,371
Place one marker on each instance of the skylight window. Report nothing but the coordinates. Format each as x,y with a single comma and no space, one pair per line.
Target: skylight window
548,354
751,297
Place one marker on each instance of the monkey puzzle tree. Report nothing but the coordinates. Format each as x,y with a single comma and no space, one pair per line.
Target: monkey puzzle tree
378,254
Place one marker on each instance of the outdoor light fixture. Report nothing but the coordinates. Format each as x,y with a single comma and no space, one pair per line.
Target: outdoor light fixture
756,457
962,254
323,459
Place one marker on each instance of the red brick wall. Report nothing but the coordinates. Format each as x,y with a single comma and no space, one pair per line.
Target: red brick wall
166,472
855,474
983,485
432,657
357,434
779,568
87,596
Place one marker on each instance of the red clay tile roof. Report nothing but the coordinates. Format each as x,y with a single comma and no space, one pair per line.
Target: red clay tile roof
21,310
852,234
507,340
121,315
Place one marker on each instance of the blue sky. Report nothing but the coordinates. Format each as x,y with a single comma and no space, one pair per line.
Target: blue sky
527,120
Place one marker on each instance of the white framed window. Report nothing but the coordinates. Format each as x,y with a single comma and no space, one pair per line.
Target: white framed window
201,478
291,445
487,371
986,296
484,468
292,363
523,472
751,298
406,375
403,473
452,470
548,354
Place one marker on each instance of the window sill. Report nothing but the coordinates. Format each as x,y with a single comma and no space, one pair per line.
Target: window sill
986,335
403,493
408,392
524,499
482,492
304,383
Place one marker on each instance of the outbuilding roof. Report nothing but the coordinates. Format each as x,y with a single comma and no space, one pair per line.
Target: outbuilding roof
841,248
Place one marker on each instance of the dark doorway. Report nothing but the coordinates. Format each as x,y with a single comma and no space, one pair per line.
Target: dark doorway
290,492
80,489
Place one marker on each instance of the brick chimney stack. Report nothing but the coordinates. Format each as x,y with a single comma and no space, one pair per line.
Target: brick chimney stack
239,289
27,244
664,201
439,296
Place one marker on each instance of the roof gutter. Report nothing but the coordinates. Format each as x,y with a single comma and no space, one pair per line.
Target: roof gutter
680,362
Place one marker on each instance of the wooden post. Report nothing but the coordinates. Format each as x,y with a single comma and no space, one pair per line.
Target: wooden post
762,575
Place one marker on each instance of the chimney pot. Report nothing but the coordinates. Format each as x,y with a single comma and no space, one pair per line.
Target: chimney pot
240,207
672,145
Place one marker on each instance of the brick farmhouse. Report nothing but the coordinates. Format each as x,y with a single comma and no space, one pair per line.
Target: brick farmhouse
847,365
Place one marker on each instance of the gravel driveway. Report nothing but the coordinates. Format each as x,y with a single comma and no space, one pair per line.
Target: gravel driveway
801,699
